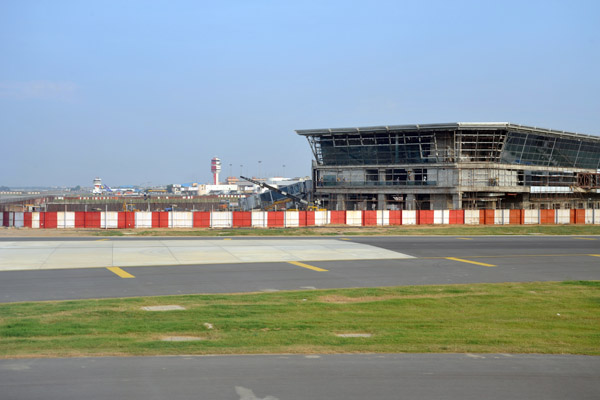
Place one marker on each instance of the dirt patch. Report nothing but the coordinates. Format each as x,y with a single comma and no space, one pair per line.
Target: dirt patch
337,299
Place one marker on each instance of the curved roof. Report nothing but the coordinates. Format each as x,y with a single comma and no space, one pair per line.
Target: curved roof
445,126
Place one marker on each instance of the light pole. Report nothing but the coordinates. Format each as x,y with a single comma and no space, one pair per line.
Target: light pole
259,162
284,170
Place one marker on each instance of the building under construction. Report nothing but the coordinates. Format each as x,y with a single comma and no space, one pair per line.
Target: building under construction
454,166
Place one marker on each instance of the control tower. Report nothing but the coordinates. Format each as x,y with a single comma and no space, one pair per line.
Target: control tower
215,168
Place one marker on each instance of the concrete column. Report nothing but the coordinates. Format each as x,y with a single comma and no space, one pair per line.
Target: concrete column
410,202
381,204
340,203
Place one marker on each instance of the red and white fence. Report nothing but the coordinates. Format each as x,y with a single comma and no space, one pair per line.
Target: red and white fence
289,219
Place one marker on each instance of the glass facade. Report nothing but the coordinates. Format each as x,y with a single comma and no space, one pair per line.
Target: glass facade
548,151
425,147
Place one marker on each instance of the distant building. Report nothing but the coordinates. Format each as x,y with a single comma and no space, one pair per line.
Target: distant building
454,166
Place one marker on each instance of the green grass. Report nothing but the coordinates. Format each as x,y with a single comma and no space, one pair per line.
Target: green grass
467,230
548,317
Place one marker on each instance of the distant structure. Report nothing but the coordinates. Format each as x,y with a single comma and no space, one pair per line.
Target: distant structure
464,165
97,186
215,168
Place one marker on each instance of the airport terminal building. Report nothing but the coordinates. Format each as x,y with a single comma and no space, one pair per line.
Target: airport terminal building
461,165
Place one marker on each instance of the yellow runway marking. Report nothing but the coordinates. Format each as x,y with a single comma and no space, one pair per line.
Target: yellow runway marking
101,240
307,266
582,238
465,238
470,262
120,272
594,255
344,239
227,239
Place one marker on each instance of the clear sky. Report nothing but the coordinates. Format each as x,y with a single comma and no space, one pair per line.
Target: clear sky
149,91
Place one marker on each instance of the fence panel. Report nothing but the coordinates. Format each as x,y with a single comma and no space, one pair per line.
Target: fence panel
547,217
109,220
321,218
259,219
516,217
65,220
181,219
19,220
456,217
337,217
531,217
291,219
242,219
201,219
354,218
143,219
472,217
27,219
93,219
425,217
395,217
276,219
409,217
221,219
369,218
35,220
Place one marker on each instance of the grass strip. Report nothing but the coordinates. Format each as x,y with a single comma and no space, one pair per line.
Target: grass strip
538,317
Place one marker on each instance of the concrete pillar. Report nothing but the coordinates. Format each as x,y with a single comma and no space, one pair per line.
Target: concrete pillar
410,202
381,204
340,203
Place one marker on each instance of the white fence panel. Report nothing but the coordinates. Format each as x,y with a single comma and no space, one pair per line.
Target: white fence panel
596,216
35,220
65,219
502,217
441,217
563,216
181,219
589,216
259,219
354,218
143,219
409,217
471,217
321,218
1,218
221,219
291,219
19,220
532,217
109,219
383,217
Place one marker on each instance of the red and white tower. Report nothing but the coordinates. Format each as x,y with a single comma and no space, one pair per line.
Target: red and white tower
215,168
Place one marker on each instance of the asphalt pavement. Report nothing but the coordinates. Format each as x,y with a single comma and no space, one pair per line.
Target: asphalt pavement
297,377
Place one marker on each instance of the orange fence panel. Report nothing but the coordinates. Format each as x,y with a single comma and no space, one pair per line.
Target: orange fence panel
425,217
275,219
242,219
337,217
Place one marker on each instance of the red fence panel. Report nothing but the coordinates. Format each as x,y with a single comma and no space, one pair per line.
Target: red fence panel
487,217
516,217
369,218
128,219
275,219
578,216
93,219
425,217
80,219
395,217
307,218
5,220
242,219
202,219
547,216
456,217
160,219
27,219
337,217
51,221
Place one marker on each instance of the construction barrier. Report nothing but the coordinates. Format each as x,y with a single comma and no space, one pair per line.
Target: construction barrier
290,219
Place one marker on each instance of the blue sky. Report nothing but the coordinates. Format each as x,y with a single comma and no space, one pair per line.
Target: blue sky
149,91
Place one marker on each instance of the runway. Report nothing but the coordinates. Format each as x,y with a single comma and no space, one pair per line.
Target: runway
164,266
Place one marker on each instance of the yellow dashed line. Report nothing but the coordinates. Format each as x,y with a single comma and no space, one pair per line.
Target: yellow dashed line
307,266
594,255
465,238
227,239
344,239
120,272
101,240
470,262
582,238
